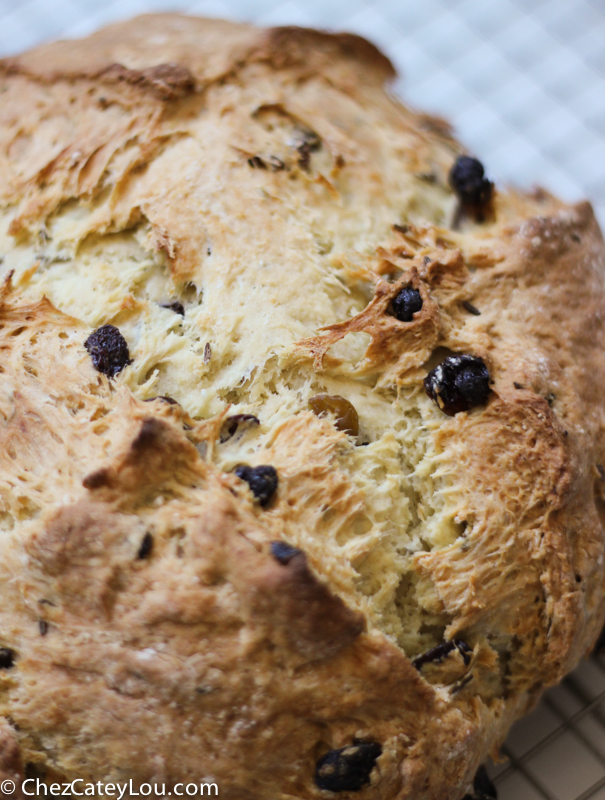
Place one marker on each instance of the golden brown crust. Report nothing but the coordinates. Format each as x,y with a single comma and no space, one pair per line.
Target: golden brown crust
187,49
319,666
156,635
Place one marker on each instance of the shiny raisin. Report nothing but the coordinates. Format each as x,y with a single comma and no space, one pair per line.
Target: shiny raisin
283,552
467,179
344,413
471,308
406,304
146,546
256,162
231,424
177,307
437,654
164,398
108,350
459,383
261,480
7,658
347,769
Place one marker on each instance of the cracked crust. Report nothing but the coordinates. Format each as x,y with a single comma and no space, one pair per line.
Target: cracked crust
156,636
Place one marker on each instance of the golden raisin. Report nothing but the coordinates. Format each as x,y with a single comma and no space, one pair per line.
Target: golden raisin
346,419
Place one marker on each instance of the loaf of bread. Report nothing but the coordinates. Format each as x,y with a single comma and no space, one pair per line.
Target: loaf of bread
302,453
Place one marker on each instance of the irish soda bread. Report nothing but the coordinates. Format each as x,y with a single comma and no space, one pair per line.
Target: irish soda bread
302,462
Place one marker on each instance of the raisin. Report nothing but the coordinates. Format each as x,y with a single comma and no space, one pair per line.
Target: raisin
467,179
471,308
261,480
438,653
283,552
276,163
108,350
170,400
483,788
256,162
306,142
146,546
346,419
7,658
177,307
309,138
406,304
231,424
347,769
304,156
459,383
43,627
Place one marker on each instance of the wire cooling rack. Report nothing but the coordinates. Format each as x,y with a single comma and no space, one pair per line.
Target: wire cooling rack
558,751
523,81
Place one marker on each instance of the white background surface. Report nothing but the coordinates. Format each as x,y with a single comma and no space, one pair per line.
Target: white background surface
523,81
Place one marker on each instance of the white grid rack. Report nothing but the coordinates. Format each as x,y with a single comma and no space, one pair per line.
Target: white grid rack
523,81
558,751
